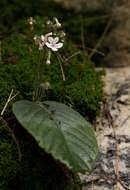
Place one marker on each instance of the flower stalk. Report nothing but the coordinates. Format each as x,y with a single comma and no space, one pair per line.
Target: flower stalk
60,61
47,43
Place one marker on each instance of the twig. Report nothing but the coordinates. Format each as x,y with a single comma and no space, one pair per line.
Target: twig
82,39
96,51
76,53
65,60
9,99
101,38
6,104
13,137
4,122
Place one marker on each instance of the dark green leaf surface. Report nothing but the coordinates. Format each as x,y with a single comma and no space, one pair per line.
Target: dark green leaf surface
61,131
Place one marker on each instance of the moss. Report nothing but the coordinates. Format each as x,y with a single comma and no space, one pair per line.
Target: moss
81,90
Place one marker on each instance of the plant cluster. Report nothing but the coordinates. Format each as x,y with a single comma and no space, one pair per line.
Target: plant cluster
70,80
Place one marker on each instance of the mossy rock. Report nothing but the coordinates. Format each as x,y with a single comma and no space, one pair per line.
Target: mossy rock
81,90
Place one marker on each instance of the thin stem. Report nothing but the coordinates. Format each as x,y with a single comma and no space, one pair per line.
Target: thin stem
41,67
62,71
37,77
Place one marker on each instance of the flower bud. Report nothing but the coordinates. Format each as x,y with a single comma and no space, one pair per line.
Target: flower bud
31,21
62,34
58,24
48,61
49,22
45,86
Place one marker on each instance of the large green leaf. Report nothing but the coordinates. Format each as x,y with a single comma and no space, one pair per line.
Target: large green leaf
61,131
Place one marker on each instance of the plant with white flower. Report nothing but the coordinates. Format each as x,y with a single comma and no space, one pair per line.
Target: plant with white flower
45,120
41,40
51,41
53,44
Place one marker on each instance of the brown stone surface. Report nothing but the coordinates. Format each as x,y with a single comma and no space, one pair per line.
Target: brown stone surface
85,5
118,41
112,170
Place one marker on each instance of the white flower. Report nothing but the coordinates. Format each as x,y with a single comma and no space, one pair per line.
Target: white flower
41,40
52,44
45,38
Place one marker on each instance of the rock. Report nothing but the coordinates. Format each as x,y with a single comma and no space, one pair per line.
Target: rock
85,5
117,42
112,170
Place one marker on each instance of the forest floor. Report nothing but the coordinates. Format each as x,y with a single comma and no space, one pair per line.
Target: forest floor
112,170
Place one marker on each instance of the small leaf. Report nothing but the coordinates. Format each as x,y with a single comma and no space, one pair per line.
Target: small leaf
61,131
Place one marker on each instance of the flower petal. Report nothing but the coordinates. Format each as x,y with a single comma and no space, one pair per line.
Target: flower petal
50,39
59,45
42,38
49,34
48,45
54,49
56,39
